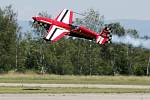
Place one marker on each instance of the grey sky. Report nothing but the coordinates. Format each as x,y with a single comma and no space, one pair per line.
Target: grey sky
111,9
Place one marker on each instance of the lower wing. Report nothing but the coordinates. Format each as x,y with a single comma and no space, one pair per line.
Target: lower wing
55,33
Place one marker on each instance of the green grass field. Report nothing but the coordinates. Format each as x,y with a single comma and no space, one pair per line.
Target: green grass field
57,79
69,90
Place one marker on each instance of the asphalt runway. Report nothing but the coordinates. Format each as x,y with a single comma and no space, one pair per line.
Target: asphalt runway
74,96
75,85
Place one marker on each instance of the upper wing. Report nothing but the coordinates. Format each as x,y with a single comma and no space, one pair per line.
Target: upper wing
55,33
65,16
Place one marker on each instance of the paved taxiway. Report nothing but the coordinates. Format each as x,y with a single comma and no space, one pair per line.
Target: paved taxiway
74,96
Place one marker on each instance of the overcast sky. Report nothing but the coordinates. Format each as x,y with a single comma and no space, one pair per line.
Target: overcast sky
111,9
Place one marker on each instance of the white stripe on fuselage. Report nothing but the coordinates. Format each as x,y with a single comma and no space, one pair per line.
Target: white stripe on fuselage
45,21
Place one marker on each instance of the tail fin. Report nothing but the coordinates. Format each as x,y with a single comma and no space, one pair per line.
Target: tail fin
104,36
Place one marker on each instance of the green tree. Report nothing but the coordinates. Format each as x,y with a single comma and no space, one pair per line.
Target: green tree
8,34
117,29
132,33
92,20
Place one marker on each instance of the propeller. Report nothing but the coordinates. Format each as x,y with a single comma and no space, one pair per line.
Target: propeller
35,23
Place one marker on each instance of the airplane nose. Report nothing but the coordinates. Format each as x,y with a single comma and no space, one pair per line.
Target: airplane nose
34,18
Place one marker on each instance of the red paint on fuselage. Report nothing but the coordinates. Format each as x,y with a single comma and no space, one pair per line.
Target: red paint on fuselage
88,32
52,22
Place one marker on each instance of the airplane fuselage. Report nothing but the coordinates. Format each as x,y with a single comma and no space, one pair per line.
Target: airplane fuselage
68,27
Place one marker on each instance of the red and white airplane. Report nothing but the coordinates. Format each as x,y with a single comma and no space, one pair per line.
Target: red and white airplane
62,26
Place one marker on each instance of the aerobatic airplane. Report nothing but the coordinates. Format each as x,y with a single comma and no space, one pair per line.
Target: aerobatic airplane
62,26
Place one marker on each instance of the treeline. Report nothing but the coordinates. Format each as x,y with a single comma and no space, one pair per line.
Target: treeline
22,52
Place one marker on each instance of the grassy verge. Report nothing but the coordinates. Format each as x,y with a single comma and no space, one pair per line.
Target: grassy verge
18,90
57,79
